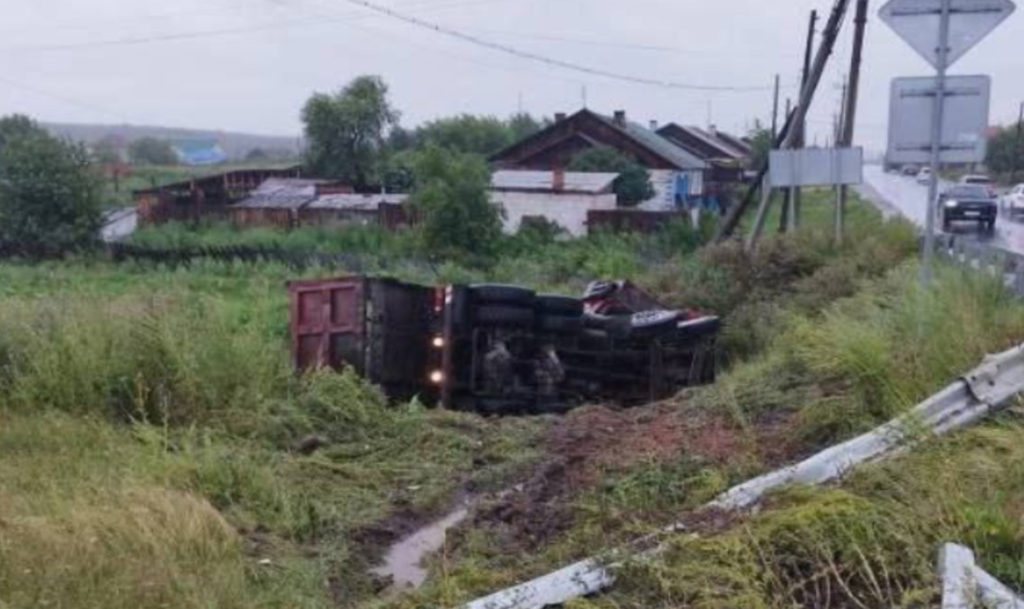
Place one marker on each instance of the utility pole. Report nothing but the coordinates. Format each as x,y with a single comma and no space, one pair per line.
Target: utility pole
1019,148
775,110
938,110
775,134
828,43
787,202
732,219
795,195
850,107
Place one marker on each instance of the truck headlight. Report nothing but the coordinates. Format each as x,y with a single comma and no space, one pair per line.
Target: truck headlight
950,204
437,377
438,342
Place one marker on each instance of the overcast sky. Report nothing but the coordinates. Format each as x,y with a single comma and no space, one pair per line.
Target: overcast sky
248,65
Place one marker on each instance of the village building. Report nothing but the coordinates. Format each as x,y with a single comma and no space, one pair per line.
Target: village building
560,197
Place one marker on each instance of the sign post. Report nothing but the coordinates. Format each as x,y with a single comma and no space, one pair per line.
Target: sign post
961,25
938,109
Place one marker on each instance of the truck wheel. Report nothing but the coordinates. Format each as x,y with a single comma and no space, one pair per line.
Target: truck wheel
502,294
559,305
504,315
560,324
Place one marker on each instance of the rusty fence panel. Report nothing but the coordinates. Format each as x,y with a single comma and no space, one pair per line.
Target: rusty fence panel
633,220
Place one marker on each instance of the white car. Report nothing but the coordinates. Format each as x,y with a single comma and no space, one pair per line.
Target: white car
977,180
1013,201
924,176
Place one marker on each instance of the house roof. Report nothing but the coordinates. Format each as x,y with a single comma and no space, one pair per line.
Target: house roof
544,181
682,158
199,152
736,142
701,143
281,193
356,202
587,129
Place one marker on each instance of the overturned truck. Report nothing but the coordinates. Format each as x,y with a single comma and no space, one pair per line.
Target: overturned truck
499,349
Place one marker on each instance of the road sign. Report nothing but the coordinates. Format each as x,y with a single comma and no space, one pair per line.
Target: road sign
816,167
964,121
918,23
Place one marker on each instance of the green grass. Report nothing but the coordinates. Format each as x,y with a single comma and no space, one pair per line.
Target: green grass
148,414
146,424
827,375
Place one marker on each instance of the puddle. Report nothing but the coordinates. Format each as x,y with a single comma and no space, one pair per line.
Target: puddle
403,563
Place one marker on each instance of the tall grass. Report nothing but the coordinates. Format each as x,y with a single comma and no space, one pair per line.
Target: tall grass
159,358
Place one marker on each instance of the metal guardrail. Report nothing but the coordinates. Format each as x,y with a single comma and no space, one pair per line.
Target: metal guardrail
978,394
999,263
965,585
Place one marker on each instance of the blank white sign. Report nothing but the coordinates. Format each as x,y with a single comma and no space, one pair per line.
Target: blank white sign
817,167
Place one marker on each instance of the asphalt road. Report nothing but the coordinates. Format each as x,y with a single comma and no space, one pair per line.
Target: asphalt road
903,195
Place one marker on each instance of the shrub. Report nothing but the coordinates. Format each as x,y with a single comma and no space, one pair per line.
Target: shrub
49,195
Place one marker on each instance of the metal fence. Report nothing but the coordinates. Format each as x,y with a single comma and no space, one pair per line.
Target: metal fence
999,263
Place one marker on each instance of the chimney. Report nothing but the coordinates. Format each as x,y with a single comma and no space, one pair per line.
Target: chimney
654,125
558,180
620,118
560,116
712,129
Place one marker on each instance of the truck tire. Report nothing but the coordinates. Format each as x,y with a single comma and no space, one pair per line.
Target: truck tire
559,305
487,294
560,324
504,316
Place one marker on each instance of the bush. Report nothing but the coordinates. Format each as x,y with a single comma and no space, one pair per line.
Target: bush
49,195
451,195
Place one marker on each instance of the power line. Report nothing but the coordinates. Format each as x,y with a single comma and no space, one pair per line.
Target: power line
247,29
452,33
61,97
655,48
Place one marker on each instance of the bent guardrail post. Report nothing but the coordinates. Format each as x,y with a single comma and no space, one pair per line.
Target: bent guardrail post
975,396
965,585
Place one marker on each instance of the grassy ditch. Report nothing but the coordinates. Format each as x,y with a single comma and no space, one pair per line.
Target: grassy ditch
150,424
827,376
149,432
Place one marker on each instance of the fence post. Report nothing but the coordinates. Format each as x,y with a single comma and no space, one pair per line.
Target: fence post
958,250
1018,277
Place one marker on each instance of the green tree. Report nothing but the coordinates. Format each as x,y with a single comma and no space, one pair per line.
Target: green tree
1005,152
152,151
466,133
634,183
451,195
107,151
50,201
523,125
346,131
761,144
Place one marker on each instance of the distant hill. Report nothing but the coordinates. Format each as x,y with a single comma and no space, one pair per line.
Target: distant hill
235,145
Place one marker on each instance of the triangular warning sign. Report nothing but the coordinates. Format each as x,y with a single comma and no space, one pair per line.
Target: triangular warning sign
918,21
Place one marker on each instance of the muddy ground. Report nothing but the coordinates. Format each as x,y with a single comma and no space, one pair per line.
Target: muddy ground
590,444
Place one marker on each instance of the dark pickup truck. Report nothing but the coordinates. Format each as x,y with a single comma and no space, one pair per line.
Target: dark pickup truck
500,349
